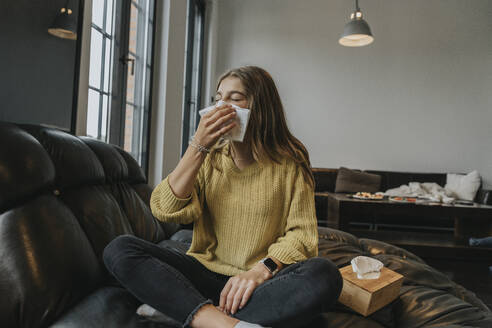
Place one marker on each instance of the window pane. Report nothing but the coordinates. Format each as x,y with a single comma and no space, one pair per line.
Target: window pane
148,82
107,65
149,43
130,85
195,82
109,17
151,13
133,29
96,53
93,113
128,128
98,12
104,123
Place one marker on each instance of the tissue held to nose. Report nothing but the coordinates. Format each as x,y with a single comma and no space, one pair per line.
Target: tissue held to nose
366,267
242,117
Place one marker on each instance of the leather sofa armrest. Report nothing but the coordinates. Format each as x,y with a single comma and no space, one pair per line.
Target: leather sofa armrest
484,197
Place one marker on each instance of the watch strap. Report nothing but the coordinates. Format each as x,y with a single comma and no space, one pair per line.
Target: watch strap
270,265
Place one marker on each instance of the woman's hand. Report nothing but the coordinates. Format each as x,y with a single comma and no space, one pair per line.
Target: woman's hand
210,128
239,289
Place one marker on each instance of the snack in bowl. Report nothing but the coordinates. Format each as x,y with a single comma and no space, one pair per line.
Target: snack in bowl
368,195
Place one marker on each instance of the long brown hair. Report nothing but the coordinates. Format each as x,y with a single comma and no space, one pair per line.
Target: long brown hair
267,131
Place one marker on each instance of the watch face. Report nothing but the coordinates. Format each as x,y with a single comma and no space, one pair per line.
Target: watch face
271,265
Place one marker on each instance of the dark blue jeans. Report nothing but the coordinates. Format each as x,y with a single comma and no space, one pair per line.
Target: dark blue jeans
178,285
481,242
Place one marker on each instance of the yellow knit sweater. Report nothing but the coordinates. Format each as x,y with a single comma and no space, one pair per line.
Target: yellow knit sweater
242,216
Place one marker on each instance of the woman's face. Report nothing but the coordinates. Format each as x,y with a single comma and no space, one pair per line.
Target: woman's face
231,90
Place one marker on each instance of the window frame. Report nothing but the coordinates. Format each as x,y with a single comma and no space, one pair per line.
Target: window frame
76,78
196,10
106,37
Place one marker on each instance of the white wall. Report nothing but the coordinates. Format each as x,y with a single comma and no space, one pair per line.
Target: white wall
418,99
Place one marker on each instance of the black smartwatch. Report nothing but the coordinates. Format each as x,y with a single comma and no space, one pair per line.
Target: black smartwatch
270,265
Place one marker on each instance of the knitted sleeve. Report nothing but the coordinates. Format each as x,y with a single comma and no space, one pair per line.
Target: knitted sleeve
166,207
300,240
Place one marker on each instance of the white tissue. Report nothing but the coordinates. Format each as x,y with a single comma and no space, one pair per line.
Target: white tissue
242,118
366,267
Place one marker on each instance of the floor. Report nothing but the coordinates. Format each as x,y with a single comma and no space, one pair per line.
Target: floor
474,276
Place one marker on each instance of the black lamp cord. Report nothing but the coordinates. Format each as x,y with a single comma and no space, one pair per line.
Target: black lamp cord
357,5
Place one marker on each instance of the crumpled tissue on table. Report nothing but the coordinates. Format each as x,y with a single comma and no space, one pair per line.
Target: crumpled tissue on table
366,267
242,118
428,190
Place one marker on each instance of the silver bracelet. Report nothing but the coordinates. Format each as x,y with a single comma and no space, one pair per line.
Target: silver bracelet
199,147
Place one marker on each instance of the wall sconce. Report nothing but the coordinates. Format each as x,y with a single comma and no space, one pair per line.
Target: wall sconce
65,24
357,32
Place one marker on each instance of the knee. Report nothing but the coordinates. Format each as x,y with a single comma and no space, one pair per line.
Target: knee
115,249
327,277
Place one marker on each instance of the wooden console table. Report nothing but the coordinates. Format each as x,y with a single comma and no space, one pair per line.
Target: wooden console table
341,210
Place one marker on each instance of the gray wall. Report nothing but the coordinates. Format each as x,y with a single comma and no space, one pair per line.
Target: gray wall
37,69
167,94
418,99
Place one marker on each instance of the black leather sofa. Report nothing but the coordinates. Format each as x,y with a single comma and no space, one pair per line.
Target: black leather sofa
63,198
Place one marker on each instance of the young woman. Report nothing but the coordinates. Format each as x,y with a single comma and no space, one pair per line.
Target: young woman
252,259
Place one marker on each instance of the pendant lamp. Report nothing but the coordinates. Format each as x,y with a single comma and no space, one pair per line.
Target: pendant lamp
357,32
65,24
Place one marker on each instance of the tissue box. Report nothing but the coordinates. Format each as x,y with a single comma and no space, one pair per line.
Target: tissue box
366,296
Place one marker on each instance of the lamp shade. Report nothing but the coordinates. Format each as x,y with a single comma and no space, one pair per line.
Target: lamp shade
356,33
64,26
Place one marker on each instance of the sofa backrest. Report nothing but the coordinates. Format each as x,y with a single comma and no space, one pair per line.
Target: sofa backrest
326,178
325,181
62,199
391,179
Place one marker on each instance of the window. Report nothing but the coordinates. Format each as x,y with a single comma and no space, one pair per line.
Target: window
100,69
121,74
193,71
139,72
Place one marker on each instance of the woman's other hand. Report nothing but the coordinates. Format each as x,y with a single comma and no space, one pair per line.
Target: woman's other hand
239,289
212,125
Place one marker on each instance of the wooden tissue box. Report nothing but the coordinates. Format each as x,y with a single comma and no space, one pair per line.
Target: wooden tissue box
366,296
